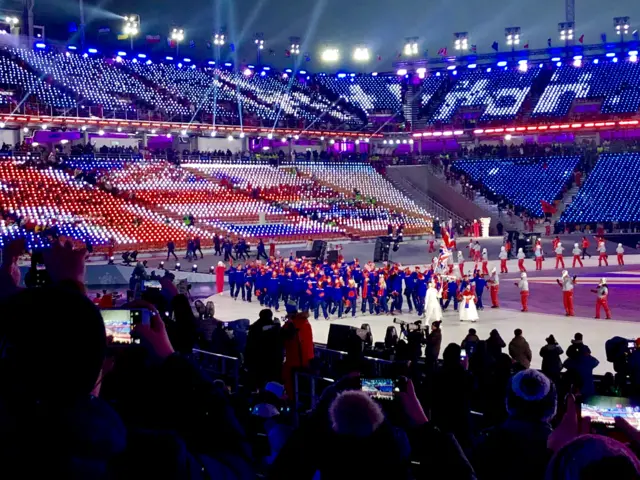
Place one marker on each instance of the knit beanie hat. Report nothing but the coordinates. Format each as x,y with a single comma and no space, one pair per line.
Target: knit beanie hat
531,396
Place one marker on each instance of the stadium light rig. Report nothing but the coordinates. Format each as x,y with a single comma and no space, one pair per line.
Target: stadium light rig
294,49
259,41
566,31
330,55
410,46
361,54
218,39
177,35
461,41
512,36
131,25
621,25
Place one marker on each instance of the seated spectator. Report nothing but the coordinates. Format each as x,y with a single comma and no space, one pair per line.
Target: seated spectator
520,443
519,350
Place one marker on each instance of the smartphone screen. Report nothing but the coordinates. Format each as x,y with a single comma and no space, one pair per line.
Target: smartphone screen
378,388
631,345
603,410
119,321
463,354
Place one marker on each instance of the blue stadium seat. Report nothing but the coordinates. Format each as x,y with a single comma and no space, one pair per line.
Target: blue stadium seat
523,181
611,192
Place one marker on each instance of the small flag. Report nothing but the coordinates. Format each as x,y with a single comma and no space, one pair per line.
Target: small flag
171,43
494,45
209,45
103,30
548,42
399,55
123,36
307,58
379,58
153,38
443,51
287,53
474,48
526,45
192,44
581,39
603,36
73,27
232,47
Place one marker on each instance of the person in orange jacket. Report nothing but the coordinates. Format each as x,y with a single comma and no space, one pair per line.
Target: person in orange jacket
298,347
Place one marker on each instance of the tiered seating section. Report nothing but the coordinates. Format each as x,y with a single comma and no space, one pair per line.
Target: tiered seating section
617,83
371,94
500,93
123,87
24,83
525,181
611,192
99,82
81,211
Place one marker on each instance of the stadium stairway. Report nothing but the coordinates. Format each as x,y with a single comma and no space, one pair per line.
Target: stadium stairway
421,181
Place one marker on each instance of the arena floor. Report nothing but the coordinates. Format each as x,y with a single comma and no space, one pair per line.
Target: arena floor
546,315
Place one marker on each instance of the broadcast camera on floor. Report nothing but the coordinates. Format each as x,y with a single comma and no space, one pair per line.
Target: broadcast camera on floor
406,327
129,257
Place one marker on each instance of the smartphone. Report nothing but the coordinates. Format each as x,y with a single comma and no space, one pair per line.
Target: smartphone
383,388
118,322
603,410
631,345
463,354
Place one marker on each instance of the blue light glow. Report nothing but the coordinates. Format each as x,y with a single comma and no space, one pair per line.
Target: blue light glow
168,58
142,55
122,54
92,50
72,47
187,60
41,45
502,64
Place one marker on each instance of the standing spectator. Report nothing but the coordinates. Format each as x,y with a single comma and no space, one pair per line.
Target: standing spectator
519,350
470,341
434,341
580,365
519,444
495,344
264,352
551,362
298,346
452,395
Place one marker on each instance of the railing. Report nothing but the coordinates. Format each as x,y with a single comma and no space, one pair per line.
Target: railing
308,389
219,366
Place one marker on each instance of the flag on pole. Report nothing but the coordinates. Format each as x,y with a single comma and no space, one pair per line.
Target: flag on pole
495,45
603,37
192,44
526,45
287,53
443,51
581,39
153,38
171,43
232,47
474,48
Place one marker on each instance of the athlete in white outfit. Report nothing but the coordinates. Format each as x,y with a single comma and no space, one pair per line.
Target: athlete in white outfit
433,311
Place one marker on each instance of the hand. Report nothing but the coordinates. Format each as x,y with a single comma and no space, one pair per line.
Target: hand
65,263
153,336
9,270
570,427
411,405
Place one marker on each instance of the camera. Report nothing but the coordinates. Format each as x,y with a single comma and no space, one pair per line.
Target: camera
406,327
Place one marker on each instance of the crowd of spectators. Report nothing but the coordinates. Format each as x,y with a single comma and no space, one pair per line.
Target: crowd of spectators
87,407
